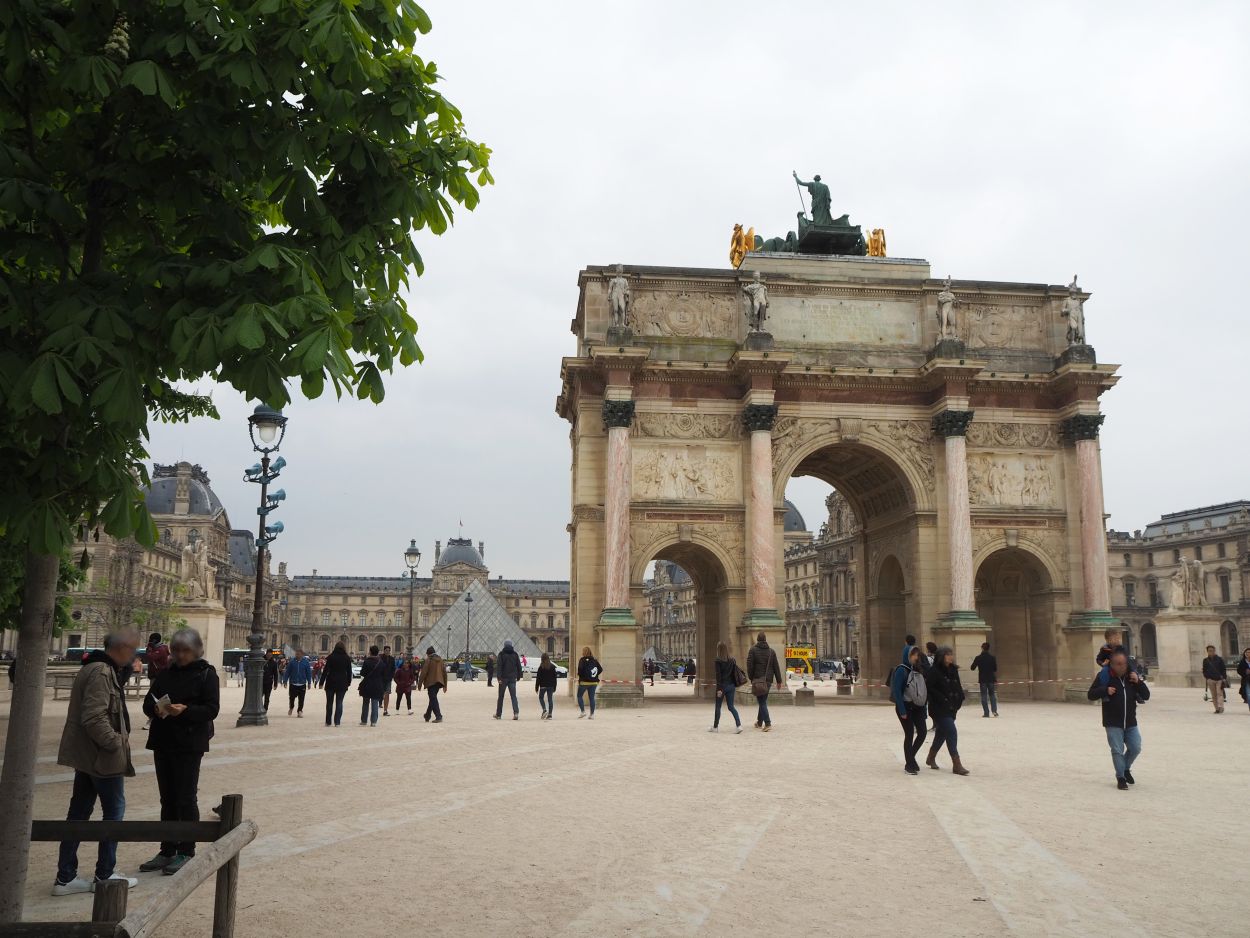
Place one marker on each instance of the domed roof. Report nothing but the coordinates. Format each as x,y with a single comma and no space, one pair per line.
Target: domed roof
201,497
460,550
794,521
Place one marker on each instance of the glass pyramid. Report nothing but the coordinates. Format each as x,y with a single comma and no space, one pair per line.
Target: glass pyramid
489,627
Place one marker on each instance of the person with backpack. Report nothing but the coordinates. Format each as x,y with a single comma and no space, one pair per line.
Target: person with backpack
910,695
157,656
763,670
986,666
946,696
1120,689
296,678
589,673
336,678
508,671
182,704
545,685
432,679
727,674
373,680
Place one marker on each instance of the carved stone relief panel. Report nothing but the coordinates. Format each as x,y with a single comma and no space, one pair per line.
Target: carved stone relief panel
912,438
686,473
688,426
1033,435
1013,480
793,433
678,313
1005,327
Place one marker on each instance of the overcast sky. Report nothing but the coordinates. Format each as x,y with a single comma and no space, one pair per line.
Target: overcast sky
1020,142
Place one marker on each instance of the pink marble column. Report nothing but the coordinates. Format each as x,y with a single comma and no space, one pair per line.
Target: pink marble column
617,416
953,424
1083,429
758,420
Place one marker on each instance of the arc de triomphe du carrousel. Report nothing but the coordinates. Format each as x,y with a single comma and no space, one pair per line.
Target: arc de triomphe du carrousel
958,417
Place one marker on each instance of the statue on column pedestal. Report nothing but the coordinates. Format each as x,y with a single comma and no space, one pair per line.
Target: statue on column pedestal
1074,311
618,299
945,313
756,293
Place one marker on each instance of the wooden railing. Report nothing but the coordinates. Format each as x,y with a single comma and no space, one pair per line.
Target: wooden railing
109,916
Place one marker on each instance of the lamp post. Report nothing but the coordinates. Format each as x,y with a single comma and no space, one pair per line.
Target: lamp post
412,557
266,427
466,671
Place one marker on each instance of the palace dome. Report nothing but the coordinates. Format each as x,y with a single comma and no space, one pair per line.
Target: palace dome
460,550
793,521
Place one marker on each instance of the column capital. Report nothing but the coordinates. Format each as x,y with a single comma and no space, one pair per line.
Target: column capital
618,413
952,422
1081,427
758,417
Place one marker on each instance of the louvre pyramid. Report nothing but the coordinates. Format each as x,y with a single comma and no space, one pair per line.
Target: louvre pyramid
489,627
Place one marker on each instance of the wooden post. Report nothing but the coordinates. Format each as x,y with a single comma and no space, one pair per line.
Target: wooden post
109,902
228,876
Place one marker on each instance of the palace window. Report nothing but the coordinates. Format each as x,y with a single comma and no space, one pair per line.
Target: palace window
1128,560
295,617
325,643
1176,555
1197,552
325,616
1150,559
551,619
1221,550
345,619
1225,589
1130,593
1154,593
399,619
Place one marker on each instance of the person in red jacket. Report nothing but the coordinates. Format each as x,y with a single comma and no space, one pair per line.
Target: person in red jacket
405,677
157,655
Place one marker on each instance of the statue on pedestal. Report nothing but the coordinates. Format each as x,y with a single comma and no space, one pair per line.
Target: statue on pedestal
820,199
757,298
197,575
1074,311
876,242
945,315
1189,585
618,299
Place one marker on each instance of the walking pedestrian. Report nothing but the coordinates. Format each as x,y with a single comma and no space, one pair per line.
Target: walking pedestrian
545,684
508,670
296,678
371,687
986,666
405,677
388,666
946,696
182,704
1120,690
763,670
726,686
1243,669
490,670
1215,672
691,671
336,678
270,678
910,695
589,673
96,745
432,679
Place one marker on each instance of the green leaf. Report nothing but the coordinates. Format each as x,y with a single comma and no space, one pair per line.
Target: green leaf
43,385
141,75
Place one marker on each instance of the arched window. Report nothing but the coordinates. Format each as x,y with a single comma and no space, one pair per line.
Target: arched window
1149,643
1228,638
551,645
325,643
360,643
379,640
398,644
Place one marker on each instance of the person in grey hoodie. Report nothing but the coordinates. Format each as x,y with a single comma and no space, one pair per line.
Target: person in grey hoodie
507,673
910,696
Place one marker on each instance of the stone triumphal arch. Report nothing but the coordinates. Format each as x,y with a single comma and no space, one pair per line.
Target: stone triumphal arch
959,419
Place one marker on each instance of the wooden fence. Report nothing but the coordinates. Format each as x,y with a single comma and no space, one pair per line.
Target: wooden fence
109,915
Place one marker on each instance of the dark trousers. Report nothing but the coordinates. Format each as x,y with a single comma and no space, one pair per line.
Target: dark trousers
297,692
490,677
432,707
508,687
726,698
178,781
334,705
401,695
914,731
265,691
989,698
944,732
112,794
547,698
761,714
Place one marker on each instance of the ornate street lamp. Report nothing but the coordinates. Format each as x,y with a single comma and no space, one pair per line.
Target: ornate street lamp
412,557
266,427
466,670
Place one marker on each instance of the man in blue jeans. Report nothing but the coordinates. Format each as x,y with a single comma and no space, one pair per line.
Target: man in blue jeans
1120,689
986,666
507,673
96,745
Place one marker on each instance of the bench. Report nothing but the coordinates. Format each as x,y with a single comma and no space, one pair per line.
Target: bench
64,681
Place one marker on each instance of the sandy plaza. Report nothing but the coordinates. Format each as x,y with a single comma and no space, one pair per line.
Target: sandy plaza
643,823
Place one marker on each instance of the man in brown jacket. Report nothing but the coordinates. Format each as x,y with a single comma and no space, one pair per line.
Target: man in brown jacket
433,678
96,745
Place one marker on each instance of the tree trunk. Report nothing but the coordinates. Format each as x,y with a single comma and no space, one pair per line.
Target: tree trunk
17,781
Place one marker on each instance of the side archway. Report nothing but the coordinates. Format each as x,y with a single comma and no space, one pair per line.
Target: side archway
1015,596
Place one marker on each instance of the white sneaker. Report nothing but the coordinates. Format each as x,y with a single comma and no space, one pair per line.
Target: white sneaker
582,715
739,729
75,885
130,881
712,729
591,717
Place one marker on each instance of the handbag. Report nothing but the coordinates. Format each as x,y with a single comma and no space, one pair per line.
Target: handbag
739,676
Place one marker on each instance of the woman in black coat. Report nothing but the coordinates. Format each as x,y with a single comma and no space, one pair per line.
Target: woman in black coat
1243,668
178,737
372,686
946,696
336,678
270,678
